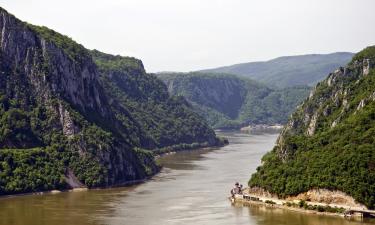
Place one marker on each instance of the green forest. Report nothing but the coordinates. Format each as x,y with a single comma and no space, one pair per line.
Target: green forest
336,157
165,120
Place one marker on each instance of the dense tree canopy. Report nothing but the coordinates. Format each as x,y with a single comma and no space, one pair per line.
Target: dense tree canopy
340,153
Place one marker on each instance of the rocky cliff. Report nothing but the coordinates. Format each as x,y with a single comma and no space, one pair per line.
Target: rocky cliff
59,122
165,120
328,142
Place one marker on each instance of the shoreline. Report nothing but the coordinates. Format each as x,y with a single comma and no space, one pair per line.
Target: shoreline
247,203
51,192
221,142
253,127
344,211
80,189
159,155
121,184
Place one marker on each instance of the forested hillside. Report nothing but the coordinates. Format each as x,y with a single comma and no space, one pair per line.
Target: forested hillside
70,117
329,141
165,120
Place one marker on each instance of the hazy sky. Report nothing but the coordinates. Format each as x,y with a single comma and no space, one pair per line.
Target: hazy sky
185,35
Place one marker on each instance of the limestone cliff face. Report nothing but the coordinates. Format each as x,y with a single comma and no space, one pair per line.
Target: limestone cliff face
48,68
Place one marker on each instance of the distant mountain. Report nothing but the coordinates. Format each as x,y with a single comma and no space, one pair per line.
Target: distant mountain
229,101
329,141
289,71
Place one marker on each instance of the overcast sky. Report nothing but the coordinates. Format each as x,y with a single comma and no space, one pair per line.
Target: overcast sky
185,35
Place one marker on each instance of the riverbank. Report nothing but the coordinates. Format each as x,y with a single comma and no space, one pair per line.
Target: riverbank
262,128
253,127
275,203
44,192
302,205
80,189
220,142
246,203
77,186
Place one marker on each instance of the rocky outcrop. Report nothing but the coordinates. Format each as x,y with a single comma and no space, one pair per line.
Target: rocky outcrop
72,180
366,67
312,125
258,191
328,197
324,196
67,123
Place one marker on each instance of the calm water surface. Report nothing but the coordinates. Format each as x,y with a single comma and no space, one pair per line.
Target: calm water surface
191,189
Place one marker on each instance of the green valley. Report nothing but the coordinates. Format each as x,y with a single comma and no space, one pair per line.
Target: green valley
229,101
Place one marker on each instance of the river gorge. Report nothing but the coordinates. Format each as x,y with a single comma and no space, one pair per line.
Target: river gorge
192,188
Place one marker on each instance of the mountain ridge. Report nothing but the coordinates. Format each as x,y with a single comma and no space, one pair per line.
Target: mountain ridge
287,71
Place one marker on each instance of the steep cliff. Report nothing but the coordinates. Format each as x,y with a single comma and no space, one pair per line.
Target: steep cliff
165,120
59,125
329,140
228,101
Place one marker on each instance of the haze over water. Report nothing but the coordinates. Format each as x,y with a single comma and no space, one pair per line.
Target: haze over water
191,189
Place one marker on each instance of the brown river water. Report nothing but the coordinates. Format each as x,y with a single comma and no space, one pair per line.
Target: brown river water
192,188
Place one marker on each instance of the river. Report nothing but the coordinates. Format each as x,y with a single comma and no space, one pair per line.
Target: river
192,189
